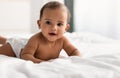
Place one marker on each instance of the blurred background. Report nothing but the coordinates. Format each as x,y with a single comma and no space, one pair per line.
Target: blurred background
96,16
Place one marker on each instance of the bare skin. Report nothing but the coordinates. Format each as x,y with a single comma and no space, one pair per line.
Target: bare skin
2,40
48,43
6,48
40,49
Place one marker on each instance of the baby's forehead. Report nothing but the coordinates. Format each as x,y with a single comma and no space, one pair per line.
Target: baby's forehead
59,10
55,12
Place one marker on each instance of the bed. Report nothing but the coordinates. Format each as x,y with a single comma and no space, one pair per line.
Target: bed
100,58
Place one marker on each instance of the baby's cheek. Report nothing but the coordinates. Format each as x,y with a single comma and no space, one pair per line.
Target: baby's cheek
62,33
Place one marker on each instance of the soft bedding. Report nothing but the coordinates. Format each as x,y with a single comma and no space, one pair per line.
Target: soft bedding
104,66
100,58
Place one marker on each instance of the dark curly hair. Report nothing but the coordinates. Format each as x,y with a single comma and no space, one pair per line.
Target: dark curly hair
54,5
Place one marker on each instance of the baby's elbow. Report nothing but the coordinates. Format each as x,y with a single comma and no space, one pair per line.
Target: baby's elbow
24,56
75,53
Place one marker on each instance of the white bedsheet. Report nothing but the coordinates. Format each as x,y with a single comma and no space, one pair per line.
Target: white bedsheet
104,66
100,59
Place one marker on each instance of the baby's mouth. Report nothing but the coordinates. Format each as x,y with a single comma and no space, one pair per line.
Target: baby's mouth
52,34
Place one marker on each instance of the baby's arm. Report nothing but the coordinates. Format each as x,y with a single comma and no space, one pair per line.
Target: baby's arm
29,51
70,49
30,57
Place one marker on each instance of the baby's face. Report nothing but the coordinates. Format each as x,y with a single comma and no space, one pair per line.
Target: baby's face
53,23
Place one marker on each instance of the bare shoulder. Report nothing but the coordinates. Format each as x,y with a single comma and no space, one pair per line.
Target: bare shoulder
34,39
32,43
65,39
35,36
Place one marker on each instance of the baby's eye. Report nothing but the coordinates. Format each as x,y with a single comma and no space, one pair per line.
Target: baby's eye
48,22
59,24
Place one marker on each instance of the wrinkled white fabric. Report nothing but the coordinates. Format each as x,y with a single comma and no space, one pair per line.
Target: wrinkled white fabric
105,66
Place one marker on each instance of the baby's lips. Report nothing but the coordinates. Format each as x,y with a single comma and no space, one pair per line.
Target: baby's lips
52,34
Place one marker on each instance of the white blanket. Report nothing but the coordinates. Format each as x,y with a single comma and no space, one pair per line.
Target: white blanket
104,66
100,59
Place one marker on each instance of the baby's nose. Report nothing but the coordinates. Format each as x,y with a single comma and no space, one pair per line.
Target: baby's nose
54,27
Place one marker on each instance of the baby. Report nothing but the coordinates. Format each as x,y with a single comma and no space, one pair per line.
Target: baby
48,43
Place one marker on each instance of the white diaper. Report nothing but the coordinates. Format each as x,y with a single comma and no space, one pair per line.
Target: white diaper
17,44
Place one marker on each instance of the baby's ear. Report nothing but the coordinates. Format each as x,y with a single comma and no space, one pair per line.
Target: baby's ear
38,23
67,27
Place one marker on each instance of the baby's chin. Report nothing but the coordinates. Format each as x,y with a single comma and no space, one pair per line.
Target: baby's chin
52,40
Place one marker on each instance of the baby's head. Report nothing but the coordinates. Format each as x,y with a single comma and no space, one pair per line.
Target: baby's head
53,22
55,5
